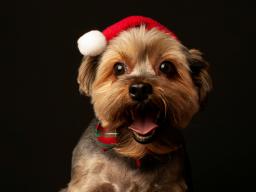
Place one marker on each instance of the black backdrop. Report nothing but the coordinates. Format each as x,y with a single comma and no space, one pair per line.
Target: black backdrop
50,114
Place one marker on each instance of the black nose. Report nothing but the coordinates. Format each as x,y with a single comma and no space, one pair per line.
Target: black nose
140,91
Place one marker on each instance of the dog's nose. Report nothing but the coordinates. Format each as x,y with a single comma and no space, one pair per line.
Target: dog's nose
140,91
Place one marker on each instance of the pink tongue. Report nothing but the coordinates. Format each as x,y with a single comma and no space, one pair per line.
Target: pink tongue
143,126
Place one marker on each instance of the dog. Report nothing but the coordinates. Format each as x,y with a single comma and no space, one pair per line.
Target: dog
145,86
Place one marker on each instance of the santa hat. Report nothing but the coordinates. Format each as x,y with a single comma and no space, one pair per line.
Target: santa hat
94,42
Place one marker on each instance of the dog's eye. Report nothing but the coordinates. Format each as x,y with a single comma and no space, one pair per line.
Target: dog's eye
167,67
119,69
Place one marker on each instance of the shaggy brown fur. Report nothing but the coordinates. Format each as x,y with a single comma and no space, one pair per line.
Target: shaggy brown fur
176,97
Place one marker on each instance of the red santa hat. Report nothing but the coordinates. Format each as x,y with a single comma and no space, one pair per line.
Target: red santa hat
94,42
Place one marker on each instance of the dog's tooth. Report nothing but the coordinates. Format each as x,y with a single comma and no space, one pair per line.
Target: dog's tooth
158,116
143,138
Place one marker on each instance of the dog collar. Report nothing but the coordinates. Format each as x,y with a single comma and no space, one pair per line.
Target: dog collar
107,139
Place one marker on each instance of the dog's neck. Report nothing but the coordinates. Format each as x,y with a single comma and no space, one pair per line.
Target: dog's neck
107,140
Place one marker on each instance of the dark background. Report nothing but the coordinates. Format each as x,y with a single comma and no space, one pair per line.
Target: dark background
50,115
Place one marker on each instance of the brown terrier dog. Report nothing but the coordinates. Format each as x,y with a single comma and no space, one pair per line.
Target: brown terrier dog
145,86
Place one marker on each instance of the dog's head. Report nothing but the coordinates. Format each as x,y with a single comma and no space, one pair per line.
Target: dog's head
146,85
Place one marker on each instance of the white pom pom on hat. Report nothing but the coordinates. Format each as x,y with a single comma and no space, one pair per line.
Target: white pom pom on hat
92,43
95,42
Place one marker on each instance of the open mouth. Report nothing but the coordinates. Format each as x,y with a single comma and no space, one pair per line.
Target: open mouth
144,127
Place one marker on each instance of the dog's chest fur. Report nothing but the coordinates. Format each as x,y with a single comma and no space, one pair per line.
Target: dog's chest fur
94,170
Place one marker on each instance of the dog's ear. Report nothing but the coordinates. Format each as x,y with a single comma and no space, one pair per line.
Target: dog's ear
200,74
86,74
